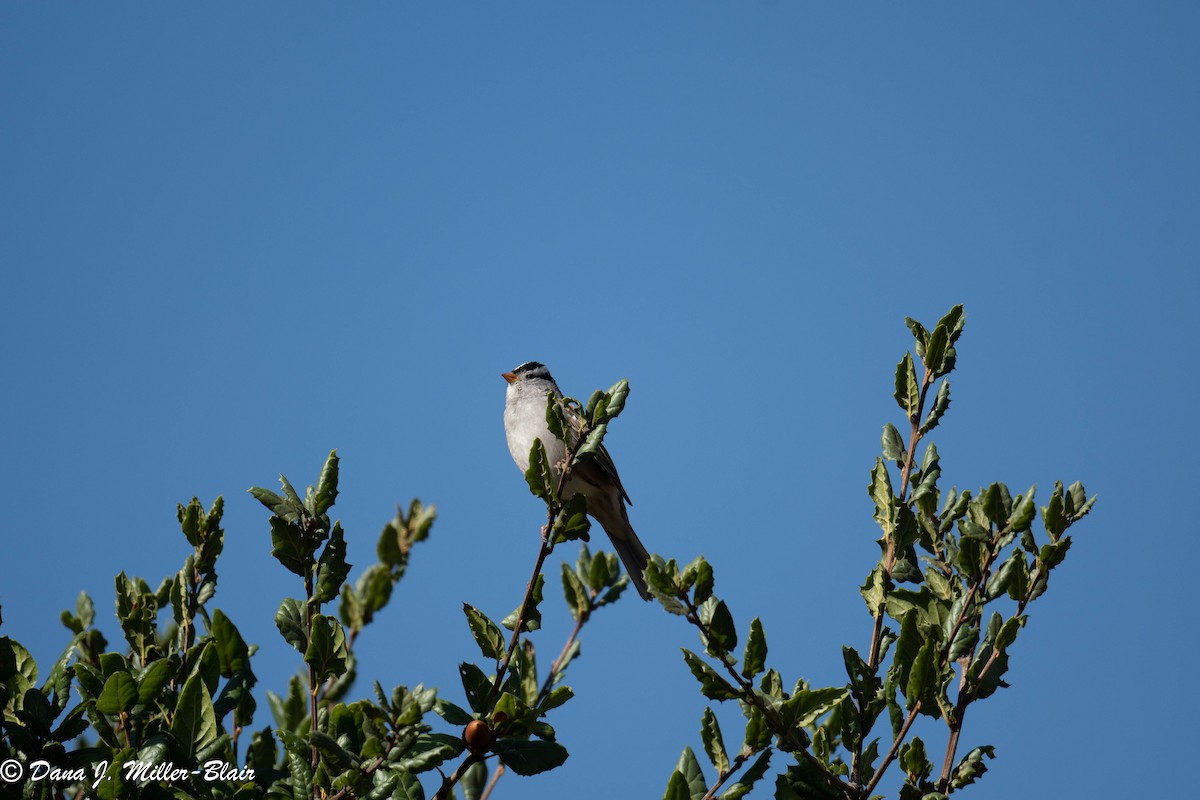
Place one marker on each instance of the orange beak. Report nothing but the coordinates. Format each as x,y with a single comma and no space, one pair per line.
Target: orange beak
508,376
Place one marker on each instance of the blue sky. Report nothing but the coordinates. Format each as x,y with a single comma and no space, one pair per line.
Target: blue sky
236,237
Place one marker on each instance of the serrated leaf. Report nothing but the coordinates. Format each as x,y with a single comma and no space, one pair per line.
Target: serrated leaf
714,742
940,404
722,635
880,492
326,651
290,621
231,647
487,634
327,492
755,657
712,685
332,568
908,390
745,782
971,767
805,706
539,476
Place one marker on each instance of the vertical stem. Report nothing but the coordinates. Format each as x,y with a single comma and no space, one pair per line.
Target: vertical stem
312,672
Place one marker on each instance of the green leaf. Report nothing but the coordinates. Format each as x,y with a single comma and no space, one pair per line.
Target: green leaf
908,390
971,766
703,588
880,491
935,351
289,619
231,647
914,761
530,756
919,334
677,787
758,733
755,657
722,635
326,651
742,786
688,766
539,476
120,694
592,443
533,614
805,706
940,404
487,634
327,490
616,399
714,742
154,679
874,590
194,726
332,567
291,547
712,685
575,593
893,445
923,679
476,685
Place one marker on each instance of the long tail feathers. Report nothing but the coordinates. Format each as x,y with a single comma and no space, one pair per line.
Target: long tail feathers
634,556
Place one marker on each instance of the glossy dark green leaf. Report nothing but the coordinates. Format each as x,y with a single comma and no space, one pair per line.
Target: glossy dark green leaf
714,742
327,491
291,547
556,421
476,685
914,761
592,443
539,476
231,648
120,694
530,756
154,678
940,405
908,390
572,522
431,750
702,589
971,767
533,613
290,621
689,767
805,706
712,685
755,658
677,787
745,782
326,651
880,491
874,590
332,567
722,634
616,399
893,445
487,634
922,679
194,725
920,335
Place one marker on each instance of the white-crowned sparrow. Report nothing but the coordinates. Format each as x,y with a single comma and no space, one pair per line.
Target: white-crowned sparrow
596,477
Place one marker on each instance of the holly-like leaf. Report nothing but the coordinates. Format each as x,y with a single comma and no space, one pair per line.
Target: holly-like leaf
755,657
712,685
326,651
714,742
487,634
908,390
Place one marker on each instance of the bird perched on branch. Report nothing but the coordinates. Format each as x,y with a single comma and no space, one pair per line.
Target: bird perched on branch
596,478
